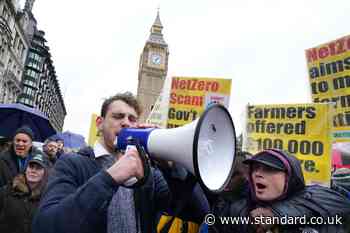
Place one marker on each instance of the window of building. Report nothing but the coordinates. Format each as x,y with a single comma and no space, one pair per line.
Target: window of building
29,83
34,64
2,54
5,13
20,44
22,53
33,74
25,100
16,40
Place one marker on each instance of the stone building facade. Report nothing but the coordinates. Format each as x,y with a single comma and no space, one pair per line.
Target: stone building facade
13,50
153,68
27,73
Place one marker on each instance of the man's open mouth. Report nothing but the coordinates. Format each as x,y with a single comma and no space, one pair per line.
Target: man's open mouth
260,186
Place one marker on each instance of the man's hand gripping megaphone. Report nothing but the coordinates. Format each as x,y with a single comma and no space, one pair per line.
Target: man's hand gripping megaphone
133,166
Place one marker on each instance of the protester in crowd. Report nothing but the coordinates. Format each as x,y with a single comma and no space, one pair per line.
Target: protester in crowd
14,160
60,146
277,189
20,198
51,148
191,206
341,181
5,144
86,191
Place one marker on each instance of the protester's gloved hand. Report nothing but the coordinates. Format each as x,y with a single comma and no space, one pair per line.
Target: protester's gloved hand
264,212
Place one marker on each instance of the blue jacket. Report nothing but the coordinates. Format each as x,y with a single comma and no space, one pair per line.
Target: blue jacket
79,192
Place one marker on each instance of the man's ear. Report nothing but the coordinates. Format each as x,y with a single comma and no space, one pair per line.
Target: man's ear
99,123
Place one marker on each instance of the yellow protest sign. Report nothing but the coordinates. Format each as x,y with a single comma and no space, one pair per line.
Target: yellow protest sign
329,75
303,130
189,96
93,133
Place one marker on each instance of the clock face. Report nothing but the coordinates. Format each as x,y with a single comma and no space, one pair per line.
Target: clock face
156,59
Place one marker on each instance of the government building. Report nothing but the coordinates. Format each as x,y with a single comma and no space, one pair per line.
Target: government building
27,73
153,68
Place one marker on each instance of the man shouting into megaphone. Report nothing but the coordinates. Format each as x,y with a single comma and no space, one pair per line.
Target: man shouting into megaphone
87,193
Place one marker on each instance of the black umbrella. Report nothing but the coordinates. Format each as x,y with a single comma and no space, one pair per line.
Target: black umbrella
13,116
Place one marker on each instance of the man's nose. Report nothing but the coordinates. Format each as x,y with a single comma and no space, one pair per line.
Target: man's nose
20,143
126,122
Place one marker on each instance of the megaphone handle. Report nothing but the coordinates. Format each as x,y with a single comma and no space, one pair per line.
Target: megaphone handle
133,180
130,182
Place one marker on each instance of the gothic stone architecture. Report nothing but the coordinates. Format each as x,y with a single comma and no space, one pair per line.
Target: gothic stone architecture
153,68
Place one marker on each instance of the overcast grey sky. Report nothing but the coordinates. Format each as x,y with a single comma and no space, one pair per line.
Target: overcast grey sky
259,44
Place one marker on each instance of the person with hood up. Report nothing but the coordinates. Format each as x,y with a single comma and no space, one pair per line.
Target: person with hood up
14,160
277,190
19,199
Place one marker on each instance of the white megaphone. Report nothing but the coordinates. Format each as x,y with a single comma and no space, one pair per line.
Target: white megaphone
206,147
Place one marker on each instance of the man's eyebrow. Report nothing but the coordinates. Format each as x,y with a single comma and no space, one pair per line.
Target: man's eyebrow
118,113
124,113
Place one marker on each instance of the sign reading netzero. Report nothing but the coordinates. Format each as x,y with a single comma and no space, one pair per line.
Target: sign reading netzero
329,76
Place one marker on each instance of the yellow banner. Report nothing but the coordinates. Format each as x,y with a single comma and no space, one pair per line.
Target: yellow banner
189,96
303,130
329,76
93,133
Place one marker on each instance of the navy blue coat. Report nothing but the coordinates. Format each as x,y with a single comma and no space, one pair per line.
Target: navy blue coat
79,192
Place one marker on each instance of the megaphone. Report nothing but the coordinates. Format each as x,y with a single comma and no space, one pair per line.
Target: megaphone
206,147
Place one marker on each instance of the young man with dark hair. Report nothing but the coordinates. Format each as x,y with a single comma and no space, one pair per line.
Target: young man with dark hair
86,192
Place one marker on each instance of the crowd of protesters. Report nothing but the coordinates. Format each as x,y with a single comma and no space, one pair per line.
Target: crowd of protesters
47,191
24,171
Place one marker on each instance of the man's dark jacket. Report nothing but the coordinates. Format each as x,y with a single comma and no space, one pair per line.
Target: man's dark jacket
299,200
79,192
9,165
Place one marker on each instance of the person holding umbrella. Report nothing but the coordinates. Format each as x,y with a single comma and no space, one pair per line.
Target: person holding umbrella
15,160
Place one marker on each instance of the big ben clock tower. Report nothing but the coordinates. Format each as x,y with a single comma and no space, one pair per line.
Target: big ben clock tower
153,68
